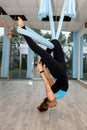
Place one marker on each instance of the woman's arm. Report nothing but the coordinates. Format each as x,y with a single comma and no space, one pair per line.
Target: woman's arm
49,92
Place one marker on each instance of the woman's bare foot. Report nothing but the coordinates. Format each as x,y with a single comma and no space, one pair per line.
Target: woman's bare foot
20,22
39,66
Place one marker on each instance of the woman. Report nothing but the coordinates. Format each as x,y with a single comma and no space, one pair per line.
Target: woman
55,64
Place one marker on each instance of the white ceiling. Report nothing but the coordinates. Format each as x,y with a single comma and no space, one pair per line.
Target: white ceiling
30,9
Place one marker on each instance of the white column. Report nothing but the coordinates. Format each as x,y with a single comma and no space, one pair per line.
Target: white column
5,56
78,77
29,63
75,55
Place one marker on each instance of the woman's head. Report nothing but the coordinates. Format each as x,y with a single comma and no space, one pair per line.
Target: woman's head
43,106
46,104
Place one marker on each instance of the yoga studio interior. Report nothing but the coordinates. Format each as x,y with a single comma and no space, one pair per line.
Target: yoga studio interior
21,86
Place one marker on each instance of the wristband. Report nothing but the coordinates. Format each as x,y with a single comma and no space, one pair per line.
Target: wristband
42,71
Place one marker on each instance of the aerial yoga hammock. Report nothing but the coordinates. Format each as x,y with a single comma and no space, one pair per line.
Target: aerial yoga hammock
46,10
56,64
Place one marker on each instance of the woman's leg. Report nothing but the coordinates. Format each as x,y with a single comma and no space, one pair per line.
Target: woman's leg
50,62
35,36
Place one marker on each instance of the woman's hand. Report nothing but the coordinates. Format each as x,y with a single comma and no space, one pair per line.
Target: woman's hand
39,66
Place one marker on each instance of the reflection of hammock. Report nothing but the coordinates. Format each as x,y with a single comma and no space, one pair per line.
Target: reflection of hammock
8,30
46,10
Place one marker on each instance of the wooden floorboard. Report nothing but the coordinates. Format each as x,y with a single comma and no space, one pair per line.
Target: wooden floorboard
19,99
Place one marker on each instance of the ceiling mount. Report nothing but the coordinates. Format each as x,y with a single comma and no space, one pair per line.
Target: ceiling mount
57,18
2,11
15,17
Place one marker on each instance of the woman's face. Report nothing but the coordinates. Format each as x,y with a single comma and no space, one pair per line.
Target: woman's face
51,103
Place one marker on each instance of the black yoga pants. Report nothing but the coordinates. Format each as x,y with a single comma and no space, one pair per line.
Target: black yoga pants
54,66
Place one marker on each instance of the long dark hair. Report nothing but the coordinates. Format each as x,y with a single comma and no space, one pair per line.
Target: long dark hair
43,106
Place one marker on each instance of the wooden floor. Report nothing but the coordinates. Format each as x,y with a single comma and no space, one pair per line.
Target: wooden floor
18,101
